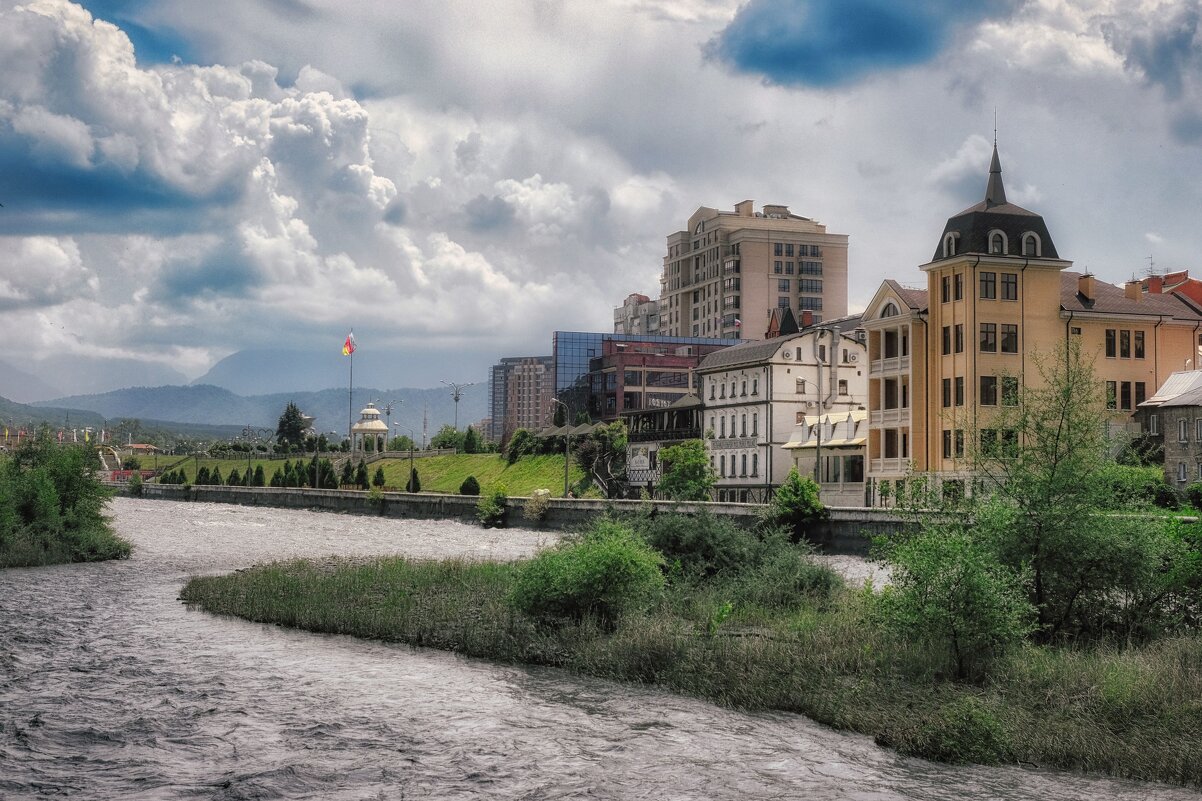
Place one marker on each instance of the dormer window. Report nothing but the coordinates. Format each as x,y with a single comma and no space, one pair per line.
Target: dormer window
1031,244
949,245
997,243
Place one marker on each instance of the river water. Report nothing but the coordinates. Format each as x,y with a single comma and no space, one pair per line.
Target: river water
112,689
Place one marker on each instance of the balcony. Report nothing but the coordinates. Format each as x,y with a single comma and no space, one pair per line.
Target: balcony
889,417
897,364
888,466
664,436
730,265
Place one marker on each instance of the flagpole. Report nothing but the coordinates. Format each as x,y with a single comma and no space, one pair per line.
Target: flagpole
350,398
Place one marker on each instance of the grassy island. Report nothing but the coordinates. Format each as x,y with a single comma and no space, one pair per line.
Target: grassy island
751,621
52,506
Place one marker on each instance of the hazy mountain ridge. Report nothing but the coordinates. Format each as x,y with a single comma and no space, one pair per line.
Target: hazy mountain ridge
211,405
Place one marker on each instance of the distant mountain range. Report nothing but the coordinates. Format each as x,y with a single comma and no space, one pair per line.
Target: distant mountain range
211,405
66,375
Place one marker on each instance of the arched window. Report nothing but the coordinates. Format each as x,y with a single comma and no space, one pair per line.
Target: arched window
1031,244
949,245
997,243
890,310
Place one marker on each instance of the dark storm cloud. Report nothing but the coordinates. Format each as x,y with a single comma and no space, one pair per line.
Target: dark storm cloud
825,43
488,213
1165,50
223,272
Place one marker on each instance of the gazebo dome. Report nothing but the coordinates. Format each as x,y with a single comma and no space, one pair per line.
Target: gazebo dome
370,422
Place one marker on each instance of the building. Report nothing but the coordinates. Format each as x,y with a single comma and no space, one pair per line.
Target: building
756,394
943,363
1172,420
728,270
572,358
831,448
1178,282
519,395
631,376
638,314
651,430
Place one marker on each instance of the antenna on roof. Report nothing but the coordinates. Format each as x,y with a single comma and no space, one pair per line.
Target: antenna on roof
1151,265
995,127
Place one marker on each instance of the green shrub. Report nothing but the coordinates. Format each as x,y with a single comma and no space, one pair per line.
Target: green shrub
1125,486
492,509
964,731
135,483
606,573
415,482
784,576
702,544
470,486
378,479
949,590
537,506
795,504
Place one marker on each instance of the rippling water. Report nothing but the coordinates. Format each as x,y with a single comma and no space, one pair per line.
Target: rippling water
111,689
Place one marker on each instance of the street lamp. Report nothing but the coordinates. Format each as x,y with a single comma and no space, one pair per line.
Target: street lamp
395,427
456,394
567,441
388,416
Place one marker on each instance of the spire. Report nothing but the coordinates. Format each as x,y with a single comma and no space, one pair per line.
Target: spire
995,193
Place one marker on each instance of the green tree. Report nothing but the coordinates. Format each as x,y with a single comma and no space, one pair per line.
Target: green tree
348,473
291,428
602,457
234,479
447,437
471,441
401,443
796,504
415,483
215,476
378,479
361,475
687,475
202,475
470,486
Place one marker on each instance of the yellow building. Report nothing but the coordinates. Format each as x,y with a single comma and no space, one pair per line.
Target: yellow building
998,295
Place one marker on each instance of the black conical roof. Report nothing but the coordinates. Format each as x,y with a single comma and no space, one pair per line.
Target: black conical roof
972,226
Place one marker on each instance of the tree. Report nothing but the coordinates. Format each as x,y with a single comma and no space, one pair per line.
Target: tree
415,483
522,443
687,475
796,503
348,473
361,475
291,428
470,486
234,479
401,443
378,479
602,456
447,437
471,441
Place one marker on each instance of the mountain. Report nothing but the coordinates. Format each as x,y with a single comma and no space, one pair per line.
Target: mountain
20,386
28,381
20,415
210,405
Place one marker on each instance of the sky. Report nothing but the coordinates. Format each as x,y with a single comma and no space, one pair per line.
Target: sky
455,180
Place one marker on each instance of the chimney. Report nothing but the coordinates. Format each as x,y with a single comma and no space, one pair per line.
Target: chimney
745,209
807,318
1155,285
1132,290
1085,286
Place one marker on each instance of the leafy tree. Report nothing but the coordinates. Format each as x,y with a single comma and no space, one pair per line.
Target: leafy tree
447,437
361,475
277,478
348,473
582,418
378,479
291,428
131,463
796,504
602,456
215,476
470,486
687,475
259,478
561,415
471,441
401,443
415,483
521,443
202,475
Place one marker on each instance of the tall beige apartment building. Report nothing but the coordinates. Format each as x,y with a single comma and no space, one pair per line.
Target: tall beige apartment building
728,270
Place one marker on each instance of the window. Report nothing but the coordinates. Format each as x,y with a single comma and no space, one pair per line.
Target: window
744,392
1153,425
788,268
947,444
988,337
782,285
989,441
722,391
949,245
809,285
1009,286
947,339
782,302
755,424
1030,244
722,427
1111,393
1141,392
1139,344
1181,471
842,386
801,386
722,463
743,426
778,249
958,286
1076,330
778,267
959,442
959,390
947,392
945,289
810,304
809,267
1125,395
789,249
755,386
743,465
1124,344
988,390
1198,430
988,286
1009,390
713,390
997,243
959,337
755,464
1111,340
1009,338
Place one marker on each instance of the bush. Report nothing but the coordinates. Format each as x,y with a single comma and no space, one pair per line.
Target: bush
470,486
131,463
536,507
965,731
493,508
1123,487
796,504
608,572
135,483
378,479
950,591
415,482
703,545
784,576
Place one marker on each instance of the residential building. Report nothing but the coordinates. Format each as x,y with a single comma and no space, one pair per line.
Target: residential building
757,393
831,448
1172,420
651,430
638,314
572,355
944,362
631,376
519,395
727,271
1178,282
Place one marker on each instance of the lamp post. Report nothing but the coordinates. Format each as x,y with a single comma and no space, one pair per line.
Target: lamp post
567,441
398,426
388,416
456,394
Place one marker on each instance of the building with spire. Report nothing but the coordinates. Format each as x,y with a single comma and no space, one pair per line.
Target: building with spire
944,357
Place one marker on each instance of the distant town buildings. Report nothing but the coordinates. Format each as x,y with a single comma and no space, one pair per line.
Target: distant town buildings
727,271
519,395
638,314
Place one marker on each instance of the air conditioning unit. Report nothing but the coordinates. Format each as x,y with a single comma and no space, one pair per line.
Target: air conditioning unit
851,357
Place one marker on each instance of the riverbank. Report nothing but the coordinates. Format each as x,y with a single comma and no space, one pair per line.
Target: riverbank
734,639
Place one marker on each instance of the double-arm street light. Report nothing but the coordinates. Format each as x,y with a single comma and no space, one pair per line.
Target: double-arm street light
398,427
456,394
567,442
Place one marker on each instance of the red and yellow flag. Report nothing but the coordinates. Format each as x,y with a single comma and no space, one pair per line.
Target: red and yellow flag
348,347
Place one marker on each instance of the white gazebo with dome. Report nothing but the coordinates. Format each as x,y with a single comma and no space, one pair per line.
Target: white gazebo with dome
369,427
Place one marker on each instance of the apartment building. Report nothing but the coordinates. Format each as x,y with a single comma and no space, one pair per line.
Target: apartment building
725,273
638,314
998,297
519,395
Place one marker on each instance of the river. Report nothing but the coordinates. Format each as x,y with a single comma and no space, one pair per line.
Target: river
111,689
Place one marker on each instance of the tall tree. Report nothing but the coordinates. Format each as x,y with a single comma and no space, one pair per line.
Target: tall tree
291,428
687,472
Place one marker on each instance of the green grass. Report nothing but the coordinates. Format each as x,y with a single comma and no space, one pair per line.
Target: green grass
190,466
446,473
1134,713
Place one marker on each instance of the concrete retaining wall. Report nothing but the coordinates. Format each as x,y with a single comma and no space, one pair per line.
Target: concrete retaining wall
847,531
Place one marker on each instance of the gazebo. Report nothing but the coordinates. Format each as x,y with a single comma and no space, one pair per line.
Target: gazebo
369,427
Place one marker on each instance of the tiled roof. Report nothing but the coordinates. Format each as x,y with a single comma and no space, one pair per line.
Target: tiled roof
916,299
1110,299
747,353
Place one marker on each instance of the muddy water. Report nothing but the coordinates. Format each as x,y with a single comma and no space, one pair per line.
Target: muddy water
111,689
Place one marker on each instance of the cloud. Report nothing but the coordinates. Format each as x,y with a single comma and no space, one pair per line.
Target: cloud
485,213
42,271
1163,46
828,43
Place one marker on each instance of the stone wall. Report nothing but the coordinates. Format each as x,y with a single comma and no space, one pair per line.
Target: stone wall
847,531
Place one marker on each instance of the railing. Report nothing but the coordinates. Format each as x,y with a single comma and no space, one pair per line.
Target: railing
897,364
664,436
878,466
880,417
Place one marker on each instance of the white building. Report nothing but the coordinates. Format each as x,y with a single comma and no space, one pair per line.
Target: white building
831,449
756,394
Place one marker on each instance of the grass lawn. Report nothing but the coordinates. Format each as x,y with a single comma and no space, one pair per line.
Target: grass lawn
446,473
